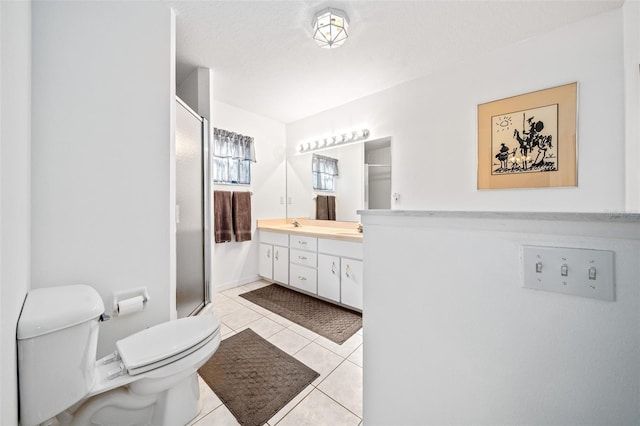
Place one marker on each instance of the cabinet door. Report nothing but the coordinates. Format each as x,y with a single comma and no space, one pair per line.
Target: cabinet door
329,277
265,261
281,264
351,282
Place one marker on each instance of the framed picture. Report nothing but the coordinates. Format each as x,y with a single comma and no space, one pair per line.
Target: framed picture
529,141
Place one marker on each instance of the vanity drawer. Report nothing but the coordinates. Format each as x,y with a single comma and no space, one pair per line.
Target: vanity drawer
303,243
274,238
303,277
340,248
302,257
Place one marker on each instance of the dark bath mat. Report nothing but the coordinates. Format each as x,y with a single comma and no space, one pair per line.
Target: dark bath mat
331,321
254,378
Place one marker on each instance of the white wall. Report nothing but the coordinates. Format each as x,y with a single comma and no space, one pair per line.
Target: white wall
631,11
453,338
432,121
15,195
237,263
197,91
103,172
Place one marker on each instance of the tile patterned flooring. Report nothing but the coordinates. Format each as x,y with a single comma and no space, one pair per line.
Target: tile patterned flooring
334,398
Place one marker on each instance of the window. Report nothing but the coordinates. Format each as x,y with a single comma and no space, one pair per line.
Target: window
324,171
232,157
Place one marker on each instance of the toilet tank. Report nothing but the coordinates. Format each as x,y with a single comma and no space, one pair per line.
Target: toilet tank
57,341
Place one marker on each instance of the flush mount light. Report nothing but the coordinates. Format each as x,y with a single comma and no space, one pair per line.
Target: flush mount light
330,28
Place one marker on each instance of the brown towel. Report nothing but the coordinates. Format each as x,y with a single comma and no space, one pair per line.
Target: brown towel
331,207
242,215
326,207
222,222
322,207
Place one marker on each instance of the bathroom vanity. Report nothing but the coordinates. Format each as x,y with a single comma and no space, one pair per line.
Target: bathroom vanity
319,258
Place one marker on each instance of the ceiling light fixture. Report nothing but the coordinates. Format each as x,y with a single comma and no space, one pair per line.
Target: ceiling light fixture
330,28
333,141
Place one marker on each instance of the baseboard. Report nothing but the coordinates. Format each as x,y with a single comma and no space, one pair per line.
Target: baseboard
234,284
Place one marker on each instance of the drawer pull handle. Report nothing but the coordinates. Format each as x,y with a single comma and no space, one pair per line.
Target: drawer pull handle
301,278
276,255
302,257
347,271
333,268
269,254
302,242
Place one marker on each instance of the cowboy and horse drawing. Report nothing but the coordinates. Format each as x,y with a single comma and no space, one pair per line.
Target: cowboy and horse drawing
529,140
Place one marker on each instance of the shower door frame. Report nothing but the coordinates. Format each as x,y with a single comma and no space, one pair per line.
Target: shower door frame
205,198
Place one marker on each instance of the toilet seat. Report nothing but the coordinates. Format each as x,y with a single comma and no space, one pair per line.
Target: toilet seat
165,343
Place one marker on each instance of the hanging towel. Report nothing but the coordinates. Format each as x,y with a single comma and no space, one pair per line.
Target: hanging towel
242,215
322,207
331,207
326,207
222,219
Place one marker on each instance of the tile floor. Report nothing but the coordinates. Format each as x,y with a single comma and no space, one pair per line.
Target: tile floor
334,398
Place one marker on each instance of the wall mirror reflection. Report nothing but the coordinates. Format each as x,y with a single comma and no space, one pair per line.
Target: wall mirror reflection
363,180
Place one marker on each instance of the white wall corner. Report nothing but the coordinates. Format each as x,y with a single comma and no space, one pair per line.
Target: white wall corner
187,90
631,26
197,91
15,193
173,267
205,92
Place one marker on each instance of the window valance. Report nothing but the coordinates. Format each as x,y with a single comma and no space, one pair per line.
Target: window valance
232,157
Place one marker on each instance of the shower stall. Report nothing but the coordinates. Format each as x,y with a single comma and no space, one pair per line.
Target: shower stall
193,216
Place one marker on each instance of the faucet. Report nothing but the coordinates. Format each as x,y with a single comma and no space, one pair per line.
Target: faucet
296,223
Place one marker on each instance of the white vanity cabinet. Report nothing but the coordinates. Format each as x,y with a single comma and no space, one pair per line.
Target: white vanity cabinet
303,263
340,271
329,268
329,277
273,263
351,283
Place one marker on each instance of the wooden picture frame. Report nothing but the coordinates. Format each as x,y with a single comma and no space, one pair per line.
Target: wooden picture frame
529,141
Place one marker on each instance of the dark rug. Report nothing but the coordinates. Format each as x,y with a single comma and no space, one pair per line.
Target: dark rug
253,378
331,321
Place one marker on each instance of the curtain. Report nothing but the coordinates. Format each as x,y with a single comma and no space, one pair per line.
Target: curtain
324,170
232,157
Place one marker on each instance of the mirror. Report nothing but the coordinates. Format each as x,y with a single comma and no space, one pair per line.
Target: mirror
364,181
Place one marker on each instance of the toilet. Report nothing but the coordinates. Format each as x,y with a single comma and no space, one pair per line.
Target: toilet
150,378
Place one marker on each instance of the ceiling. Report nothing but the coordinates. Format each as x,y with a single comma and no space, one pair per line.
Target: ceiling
264,59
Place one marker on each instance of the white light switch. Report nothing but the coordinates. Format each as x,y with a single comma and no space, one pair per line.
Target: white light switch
564,270
579,272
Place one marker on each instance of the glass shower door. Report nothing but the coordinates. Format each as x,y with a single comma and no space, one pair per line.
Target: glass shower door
191,213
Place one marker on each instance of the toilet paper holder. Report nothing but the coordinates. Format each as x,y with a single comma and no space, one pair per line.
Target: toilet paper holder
129,294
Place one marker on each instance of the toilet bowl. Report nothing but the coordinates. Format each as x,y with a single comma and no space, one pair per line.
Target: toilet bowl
150,378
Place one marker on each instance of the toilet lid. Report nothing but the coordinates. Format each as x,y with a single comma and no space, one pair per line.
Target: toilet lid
164,343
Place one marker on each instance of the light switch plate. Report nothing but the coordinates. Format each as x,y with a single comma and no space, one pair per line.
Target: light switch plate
587,273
